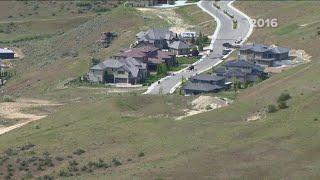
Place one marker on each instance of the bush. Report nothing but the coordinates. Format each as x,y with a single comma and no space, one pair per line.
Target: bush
116,162
282,105
79,152
58,158
7,98
284,97
141,154
272,108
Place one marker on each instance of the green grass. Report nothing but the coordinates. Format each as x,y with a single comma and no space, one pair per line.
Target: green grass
194,16
187,60
286,29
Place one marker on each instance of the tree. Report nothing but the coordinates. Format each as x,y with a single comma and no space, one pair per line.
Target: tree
162,69
195,52
284,97
272,108
282,105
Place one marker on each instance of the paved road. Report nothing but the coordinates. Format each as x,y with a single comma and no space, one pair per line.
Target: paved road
224,33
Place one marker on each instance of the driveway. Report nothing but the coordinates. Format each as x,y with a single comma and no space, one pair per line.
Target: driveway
223,33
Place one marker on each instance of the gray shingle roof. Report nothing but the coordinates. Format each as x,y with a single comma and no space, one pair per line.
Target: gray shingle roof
207,77
205,87
179,45
5,50
243,64
264,48
130,65
156,34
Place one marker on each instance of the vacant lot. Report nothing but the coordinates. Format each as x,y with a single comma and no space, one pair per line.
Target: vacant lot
201,21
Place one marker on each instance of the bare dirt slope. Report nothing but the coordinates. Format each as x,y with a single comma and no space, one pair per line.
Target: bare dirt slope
15,110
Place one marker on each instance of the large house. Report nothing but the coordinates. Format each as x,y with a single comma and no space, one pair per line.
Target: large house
147,3
179,48
127,70
149,55
242,71
204,83
158,37
263,54
6,53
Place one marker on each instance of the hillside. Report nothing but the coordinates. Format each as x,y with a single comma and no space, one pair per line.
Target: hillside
137,136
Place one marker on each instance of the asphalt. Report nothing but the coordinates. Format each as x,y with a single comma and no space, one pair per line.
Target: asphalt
224,33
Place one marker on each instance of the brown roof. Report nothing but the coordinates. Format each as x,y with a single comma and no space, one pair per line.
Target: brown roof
164,54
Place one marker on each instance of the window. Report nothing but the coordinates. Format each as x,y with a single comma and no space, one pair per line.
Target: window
120,72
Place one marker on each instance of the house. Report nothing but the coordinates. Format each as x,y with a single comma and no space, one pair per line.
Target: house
188,35
263,54
147,3
6,53
149,55
242,71
126,70
204,83
158,37
179,48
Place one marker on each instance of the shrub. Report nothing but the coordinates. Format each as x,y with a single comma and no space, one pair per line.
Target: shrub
141,154
282,105
58,158
7,98
116,162
79,152
208,107
284,97
272,108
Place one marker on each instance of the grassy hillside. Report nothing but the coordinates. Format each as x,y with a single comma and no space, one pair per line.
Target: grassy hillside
201,21
141,133
41,70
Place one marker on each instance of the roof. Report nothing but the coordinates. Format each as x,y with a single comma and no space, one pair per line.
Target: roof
164,54
264,48
5,50
130,65
243,64
279,50
179,45
207,77
156,34
205,87
109,63
139,52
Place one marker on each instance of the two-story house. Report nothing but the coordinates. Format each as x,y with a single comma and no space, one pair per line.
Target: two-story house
242,71
126,70
158,37
148,54
263,54
204,83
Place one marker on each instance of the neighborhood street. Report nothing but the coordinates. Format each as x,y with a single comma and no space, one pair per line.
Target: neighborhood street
223,33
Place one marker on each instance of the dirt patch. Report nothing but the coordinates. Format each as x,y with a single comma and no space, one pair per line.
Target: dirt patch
205,104
176,22
256,116
299,57
14,110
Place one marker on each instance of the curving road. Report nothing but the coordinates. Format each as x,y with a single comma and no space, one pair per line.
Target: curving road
223,33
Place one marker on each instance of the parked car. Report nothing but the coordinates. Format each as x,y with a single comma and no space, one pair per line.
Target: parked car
227,45
226,51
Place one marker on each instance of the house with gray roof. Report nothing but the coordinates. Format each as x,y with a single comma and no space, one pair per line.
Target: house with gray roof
242,71
263,54
158,37
204,83
127,70
6,53
179,48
